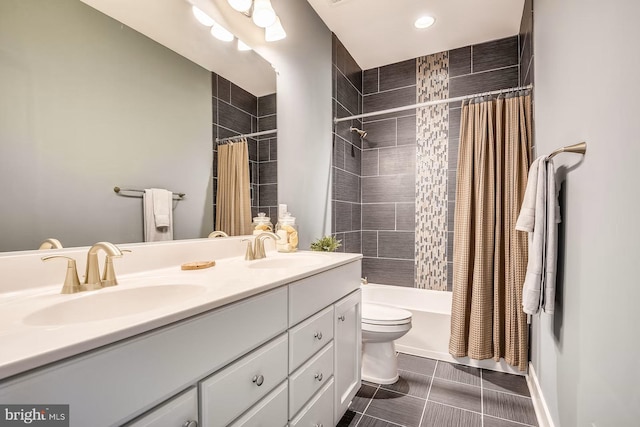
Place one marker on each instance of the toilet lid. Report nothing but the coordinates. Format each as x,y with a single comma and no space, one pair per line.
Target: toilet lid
377,314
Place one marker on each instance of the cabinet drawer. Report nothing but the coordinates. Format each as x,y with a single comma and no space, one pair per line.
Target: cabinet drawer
309,337
174,412
319,412
307,380
270,411
228,393
310,295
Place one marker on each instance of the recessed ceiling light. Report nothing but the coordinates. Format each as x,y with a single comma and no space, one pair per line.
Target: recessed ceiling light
424,21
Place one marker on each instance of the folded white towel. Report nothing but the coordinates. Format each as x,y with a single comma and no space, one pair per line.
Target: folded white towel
153,232
162,204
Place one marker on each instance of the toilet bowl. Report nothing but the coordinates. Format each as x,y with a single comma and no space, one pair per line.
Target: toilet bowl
381,326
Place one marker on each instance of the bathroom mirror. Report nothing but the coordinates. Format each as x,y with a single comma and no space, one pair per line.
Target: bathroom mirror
89,103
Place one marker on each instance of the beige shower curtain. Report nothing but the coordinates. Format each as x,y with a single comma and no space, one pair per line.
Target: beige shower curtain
233,205
489,256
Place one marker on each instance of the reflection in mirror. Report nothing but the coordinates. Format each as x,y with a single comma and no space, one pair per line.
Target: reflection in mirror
89,103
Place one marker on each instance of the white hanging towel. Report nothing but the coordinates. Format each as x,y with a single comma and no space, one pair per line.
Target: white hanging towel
539,216
158,214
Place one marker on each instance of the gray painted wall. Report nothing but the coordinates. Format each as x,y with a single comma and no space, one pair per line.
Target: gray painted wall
303,63
88,104
586,354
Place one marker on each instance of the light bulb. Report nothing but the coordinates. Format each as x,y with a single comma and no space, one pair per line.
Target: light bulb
221,33
202,17
263,13
424,22
240,5
274,32
242,46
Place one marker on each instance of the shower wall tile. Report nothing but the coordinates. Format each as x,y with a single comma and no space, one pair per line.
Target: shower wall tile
214,111
343,217
454,123
451,185
233,118
495,54
352,242
406,216
451,213
380,133
396,244
397,160
273,149
526,44
214,85
353,159
268,172
389,271
460,61
224,89
390,99
252,146
338,152
267,123
397,75
370,162
378,216
346,186
268,194
370,81
348,95
263,150
453,152
244,100
483,82
406,130
267,105
356,216
370,243
348,66
380,189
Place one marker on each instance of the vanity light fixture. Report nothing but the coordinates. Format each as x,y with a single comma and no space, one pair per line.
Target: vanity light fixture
424,22
274,32
241,5
221,33
202,17
242,46
263,14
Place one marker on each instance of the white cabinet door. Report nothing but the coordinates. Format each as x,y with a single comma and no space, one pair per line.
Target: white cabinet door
179,411
348,347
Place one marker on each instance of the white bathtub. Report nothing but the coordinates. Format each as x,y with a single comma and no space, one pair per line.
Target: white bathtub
431,319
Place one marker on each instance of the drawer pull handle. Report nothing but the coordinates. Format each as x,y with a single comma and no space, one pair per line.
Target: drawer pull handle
318,335
258,379
319,376
341,318
190,423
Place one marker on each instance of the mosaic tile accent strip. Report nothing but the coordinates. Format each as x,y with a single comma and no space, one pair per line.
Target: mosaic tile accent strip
432,132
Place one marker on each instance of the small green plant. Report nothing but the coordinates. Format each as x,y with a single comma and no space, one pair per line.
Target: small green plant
326,244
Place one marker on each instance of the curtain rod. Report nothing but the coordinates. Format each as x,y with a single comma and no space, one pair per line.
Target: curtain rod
430,103
247,135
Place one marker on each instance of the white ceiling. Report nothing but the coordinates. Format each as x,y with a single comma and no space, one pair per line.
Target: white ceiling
381,32
171,23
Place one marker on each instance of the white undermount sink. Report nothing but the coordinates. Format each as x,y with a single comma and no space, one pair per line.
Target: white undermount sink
112,303
287,261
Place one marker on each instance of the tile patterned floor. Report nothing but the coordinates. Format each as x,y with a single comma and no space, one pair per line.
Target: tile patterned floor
433,393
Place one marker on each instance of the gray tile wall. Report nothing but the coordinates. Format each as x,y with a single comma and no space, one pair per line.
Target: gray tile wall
267,158
374,198
347,150
236,111
526,44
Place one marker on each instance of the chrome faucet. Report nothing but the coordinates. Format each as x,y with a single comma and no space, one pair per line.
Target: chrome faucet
217,233
258,251
92,278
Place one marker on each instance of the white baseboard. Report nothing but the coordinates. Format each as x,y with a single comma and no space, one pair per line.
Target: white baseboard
539,404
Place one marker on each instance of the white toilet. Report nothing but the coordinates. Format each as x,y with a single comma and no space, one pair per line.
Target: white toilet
381,325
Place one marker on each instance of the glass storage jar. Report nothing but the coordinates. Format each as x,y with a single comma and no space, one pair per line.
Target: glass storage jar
288,232
261,223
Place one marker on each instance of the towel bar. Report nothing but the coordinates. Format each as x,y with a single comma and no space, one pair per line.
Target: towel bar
176,196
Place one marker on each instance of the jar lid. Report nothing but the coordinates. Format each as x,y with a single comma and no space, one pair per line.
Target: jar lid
261,218
287,219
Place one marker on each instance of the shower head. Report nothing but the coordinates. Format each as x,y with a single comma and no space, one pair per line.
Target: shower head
362,133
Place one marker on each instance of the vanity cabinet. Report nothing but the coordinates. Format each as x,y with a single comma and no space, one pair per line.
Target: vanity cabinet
271,359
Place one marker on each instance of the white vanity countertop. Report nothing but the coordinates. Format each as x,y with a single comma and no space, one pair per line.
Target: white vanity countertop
28,342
